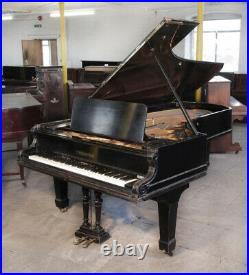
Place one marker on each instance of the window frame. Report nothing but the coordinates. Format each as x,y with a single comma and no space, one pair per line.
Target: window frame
189,51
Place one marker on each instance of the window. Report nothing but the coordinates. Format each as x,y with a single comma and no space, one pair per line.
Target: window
46,53
221,43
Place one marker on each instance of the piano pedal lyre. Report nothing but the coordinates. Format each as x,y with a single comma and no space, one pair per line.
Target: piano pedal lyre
87,233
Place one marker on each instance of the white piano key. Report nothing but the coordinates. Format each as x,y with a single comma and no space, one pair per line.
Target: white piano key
81,171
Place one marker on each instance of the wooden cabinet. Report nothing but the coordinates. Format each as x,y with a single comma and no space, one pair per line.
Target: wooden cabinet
51,92
218,92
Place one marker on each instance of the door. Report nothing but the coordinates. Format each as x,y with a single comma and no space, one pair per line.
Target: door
32,52
40,52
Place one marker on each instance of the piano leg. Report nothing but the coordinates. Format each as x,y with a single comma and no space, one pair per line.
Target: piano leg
21,168
88,234
61,197
167,210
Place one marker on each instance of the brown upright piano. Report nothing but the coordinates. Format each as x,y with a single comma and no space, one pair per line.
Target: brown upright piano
134,138
97,71
44,83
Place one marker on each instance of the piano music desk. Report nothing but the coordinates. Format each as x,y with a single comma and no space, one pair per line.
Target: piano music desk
20,111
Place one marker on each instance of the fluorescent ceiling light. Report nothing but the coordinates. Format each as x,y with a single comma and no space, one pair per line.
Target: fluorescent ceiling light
72,13
7,17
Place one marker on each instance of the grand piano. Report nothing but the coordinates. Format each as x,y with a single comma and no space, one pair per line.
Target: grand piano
134,137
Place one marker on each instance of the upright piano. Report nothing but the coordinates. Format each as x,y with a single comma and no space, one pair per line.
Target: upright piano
20,112
96,71
18,79
86,63
134,137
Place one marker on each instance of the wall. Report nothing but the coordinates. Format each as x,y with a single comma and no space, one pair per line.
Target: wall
13,32
110,34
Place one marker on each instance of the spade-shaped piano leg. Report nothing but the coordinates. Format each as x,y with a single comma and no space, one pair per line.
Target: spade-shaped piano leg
167,211
61,194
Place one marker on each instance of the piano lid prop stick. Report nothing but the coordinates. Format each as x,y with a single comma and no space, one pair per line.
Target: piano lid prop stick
176,95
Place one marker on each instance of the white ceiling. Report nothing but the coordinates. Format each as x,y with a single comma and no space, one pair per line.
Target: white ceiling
28,10
46,7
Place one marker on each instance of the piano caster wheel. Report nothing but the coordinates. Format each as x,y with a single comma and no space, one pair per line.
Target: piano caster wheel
170,253
63,210
24,184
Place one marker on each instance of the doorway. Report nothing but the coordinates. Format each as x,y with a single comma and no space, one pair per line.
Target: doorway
40,52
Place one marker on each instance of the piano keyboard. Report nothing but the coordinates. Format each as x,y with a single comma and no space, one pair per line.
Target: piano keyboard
103,174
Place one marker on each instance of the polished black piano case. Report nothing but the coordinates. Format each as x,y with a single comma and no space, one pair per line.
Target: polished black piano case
152,145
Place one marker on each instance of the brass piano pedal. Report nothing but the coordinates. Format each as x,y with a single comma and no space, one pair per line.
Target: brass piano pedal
24,183
87,242
78,240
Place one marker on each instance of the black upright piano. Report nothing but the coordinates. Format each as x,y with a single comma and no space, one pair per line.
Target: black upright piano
134,137
18,79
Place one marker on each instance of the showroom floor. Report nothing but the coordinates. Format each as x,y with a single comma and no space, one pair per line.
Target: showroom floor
211,225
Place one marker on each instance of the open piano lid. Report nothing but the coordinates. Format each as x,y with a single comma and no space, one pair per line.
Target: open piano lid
139,79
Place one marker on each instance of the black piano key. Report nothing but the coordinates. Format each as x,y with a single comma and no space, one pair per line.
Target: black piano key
125,177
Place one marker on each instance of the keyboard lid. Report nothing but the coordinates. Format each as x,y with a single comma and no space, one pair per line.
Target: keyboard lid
139,79
107,118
